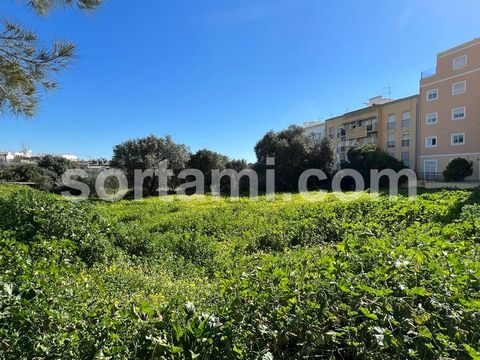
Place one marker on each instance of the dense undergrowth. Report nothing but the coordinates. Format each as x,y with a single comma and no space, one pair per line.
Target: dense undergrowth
369,278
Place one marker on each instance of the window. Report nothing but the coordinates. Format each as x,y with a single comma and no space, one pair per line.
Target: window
406,119
406,139
431,118
330,132
458,139
460,62
458,113
430,169
391,124
459,88
391,141
432,95
430,141
406,158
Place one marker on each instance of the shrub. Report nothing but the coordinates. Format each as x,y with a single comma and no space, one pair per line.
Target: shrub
43,178
28,213
458,169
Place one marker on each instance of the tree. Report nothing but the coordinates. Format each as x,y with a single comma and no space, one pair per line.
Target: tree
147,153
294,152
458,169
367,157
26,67
43,178
56,164
321,155
206,161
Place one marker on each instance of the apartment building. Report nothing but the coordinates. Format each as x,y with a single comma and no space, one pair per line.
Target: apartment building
397,129
315,129
449,125
389,124
424,131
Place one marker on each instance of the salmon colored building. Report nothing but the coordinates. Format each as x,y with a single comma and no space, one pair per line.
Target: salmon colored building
449,122
424,131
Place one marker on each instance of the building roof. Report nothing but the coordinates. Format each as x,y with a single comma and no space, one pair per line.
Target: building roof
459,47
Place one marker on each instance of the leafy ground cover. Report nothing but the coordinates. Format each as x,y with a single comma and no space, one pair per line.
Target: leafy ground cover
362,278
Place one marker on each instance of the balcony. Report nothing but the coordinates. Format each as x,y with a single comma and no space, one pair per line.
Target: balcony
371,128
356,133
429,73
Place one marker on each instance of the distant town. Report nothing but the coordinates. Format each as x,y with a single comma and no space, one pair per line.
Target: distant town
26,156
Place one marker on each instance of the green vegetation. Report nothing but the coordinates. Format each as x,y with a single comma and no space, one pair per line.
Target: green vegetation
367,157
458,169
28,68
360,278
46,172
294,152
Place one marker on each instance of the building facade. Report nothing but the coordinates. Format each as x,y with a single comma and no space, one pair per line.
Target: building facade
389,124
6,156
425,131
397,129
450,111
315,129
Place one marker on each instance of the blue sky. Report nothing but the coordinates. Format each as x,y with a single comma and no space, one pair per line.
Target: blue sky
219,74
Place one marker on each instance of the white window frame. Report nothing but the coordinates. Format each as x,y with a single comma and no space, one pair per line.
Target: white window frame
429,92
458,58
454,143
405,119
431,123
428,138
391,124
464,82
431,161
464,113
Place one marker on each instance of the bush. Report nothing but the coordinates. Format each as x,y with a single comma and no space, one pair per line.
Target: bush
458,169
56,164
43,178
28,213
370,157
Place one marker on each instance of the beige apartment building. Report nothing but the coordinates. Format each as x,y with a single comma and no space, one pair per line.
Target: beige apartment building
449,125
389,124
424,131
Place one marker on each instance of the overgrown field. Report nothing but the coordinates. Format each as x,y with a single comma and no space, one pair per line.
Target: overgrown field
367,278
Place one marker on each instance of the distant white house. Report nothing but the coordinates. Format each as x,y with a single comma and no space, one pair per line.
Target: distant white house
6,156
70,157
25,153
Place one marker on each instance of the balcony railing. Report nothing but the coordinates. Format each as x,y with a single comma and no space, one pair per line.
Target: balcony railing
390,144
432,176
429,73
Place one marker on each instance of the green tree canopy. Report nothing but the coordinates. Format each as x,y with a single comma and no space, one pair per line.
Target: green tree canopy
206,160
26,66
367,157
45,179
294,152
56,164
147,153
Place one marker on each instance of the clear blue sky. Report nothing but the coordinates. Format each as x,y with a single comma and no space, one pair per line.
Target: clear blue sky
219,74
